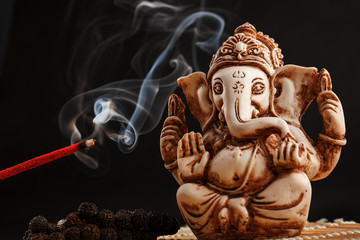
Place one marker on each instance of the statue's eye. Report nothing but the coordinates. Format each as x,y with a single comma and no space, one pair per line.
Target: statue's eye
258,88
218,88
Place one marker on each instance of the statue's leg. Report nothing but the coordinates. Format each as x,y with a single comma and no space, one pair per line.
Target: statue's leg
198,205
281,209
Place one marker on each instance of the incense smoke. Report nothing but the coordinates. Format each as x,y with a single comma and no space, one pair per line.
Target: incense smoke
125,109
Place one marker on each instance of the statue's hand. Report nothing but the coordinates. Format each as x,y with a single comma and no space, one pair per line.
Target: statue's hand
192,157
291,155
330,108
332,114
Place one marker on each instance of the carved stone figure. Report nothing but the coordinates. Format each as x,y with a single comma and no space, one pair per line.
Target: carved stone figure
248,175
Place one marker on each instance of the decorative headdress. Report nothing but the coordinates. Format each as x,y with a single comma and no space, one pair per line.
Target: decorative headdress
247,47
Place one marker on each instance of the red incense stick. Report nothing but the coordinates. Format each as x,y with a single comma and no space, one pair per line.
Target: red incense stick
43,159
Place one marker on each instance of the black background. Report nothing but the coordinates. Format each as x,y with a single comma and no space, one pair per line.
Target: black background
37,39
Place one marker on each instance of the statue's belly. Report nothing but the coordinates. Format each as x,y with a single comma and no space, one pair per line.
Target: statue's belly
236,170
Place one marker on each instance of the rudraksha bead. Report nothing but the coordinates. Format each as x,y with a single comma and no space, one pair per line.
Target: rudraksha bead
38,224
106,218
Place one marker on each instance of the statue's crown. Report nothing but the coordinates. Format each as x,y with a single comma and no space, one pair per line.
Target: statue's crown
248,47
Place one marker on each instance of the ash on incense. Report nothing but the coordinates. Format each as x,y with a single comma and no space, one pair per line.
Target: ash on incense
88,223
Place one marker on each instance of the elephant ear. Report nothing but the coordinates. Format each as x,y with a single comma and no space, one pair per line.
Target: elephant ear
196,90
295,88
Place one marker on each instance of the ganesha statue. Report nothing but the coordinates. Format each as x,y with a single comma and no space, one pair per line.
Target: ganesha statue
247,175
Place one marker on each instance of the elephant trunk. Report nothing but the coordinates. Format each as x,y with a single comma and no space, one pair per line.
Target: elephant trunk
239,118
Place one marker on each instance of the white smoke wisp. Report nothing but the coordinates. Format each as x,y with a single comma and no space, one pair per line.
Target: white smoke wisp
125,109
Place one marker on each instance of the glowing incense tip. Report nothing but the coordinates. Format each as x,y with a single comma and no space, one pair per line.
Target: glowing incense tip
43,159
90,142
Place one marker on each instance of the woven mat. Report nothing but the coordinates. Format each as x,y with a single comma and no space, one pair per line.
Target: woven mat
338,229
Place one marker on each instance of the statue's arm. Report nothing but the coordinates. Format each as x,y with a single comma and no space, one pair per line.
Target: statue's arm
332,138
174,128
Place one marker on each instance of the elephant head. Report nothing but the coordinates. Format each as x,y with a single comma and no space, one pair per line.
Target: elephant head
248,89
239,96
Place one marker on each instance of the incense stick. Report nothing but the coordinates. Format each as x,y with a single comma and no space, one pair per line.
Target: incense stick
43,159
